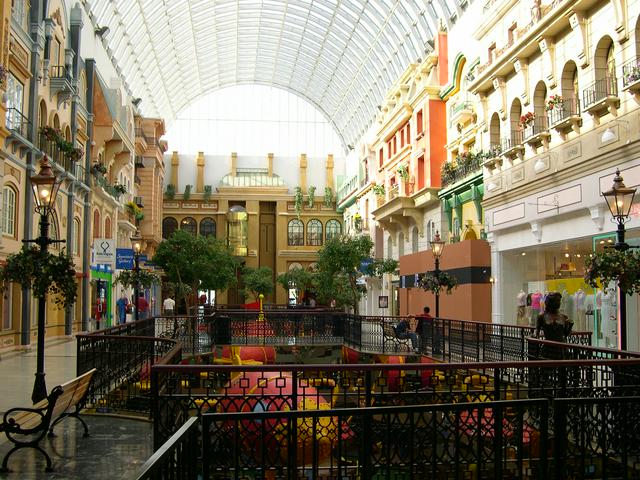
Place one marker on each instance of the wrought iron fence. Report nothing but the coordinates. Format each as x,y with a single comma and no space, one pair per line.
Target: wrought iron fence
600,90
563,110
509,143
631,72
17,122
537,126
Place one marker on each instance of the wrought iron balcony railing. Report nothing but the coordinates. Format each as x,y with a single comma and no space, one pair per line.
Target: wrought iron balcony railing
563,110
17,123
536,127
631,72
600,90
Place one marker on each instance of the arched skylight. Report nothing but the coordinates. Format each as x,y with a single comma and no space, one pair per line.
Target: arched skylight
342,55
253,120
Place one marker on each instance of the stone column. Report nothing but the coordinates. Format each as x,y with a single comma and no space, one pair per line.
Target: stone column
329,167
200,172
303,172
234,163
175,163
270,164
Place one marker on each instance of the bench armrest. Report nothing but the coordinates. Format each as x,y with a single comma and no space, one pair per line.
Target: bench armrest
10,425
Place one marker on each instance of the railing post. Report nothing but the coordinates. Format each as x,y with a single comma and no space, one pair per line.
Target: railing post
365,448
560,436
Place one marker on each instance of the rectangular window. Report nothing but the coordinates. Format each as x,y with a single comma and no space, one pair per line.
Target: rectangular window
395,144
8,212
19,11
389,149
401,138
15,92
381,156
408,134
421,173
419,127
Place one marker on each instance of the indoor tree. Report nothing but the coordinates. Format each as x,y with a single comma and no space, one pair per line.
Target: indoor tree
299,279
202,263
257,281
341,262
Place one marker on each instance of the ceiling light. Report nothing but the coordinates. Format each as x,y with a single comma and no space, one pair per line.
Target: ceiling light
566,255
601,242
523,253
609,241
608,135
578,255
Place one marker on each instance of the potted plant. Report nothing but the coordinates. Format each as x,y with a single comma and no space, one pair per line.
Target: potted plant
328,197
433,283
187,192
613,265
448,171
50,133
75,154
120,189
527,119
207,193
134,210
357,221
98,169
554,101
170,191
403,172
378,190
310,196
632,75
297,201
52,274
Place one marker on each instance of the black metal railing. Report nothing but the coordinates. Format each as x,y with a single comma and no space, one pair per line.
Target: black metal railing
599,90
509,143
464,166
536,127
55,153
631,72
178,458
563,110
16,122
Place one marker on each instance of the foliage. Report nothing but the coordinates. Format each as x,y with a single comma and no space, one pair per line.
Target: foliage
144,278
378,190
98,168
632,75
257,281
207,193
328,197
42,273
297,201
447,172
403,172
177,289
299,279
613,265
340,265
553,102
134,210
187,192
527,119
435,284
170,191
121,189
311,196
203,263
67,148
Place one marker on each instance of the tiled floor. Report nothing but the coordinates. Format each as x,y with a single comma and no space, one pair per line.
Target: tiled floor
116,449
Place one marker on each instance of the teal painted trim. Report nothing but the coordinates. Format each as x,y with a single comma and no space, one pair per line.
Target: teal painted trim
347,204
461,186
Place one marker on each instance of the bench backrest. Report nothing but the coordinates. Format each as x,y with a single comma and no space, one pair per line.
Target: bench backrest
73,392
388,330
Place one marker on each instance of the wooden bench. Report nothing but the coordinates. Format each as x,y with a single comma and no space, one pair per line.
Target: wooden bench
26,427
389,332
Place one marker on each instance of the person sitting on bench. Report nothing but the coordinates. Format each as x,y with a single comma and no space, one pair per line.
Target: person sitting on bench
403,331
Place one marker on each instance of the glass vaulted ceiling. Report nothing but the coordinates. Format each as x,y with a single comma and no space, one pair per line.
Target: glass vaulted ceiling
341,55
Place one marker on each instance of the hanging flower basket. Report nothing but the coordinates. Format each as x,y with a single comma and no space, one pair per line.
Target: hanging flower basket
613,265
435,284
379,190
527,119
553,102
99,168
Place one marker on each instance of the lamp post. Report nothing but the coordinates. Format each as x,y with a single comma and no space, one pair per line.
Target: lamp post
136,243
619,200
45,187
437,245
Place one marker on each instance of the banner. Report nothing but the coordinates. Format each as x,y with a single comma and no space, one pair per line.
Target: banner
104,251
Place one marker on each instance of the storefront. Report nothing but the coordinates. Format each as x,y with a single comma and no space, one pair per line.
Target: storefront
101,293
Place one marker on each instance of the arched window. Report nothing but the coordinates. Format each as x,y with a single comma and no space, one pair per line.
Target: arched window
515,135
169,225
400,244
107,227
9,211
208,227
77,235
189,224
314,232
295,233
414,240
494,132
96,224
334,229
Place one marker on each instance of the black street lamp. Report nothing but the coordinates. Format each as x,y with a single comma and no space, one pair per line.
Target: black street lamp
45,188
619,200
437,245
136,243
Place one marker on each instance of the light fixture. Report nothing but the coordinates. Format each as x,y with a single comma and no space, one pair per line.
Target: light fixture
539,166
601,242
136,242
566,255
619,198
609,241
608,135
45,187
578,255
491,186
523,253
437,245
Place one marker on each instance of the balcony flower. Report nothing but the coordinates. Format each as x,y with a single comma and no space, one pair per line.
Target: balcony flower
554,101
527,119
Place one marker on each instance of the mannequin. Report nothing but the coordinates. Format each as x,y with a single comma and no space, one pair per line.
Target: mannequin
521,302
581,320
536,300
598,321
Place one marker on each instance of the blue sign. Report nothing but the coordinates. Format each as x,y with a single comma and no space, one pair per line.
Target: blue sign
364,264
124,258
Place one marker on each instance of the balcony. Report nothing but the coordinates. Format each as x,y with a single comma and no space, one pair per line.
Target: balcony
536,132
601,97
18,126
56,154
631,76
464,166
461,113
512,146
565,116
347,189
143,136
61,82
139,161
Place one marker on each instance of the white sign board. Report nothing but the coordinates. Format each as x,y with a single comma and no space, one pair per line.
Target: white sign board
104,250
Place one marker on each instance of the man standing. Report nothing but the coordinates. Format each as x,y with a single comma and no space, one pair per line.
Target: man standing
143,307
168,305
121,305
428,331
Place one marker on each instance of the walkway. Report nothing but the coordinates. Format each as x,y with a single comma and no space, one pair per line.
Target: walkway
117,448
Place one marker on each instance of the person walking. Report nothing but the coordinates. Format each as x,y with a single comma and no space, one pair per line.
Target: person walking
121,306
143,307
168,306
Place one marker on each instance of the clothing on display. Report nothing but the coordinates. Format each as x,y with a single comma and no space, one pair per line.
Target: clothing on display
580,301
609,318
521,302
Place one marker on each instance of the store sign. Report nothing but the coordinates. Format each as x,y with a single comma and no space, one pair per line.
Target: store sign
124,258
104,250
